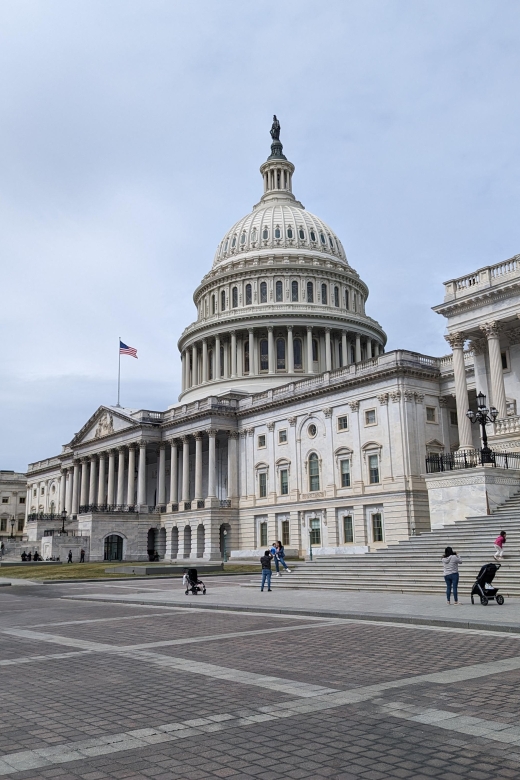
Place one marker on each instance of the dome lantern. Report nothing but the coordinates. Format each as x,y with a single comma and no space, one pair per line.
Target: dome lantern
277,171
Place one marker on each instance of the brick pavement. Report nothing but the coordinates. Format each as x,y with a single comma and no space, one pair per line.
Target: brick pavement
116,713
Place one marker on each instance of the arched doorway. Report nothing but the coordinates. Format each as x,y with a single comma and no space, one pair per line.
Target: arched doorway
187,541
150,543
175,542
200,541
225,540
113,548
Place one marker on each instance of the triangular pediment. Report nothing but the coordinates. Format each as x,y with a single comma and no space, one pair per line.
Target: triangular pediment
104,422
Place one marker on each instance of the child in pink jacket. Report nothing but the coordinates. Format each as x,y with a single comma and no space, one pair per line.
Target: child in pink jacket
499,544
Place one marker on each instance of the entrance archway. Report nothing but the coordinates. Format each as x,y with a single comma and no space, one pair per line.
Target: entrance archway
225,540
150,543
200,541
113,548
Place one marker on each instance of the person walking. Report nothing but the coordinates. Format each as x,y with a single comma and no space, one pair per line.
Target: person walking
82,556
265,560
499,546
69,559
278,553
450,564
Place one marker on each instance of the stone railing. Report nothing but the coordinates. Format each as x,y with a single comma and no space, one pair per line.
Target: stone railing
490,276
445,362
212,403
507,425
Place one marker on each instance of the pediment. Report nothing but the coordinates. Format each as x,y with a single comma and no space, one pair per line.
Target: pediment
104,422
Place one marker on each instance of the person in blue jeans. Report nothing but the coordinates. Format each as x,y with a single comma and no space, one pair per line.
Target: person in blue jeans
450,564
265,560
278,553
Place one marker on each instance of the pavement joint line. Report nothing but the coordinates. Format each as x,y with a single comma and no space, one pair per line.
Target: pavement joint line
37,658
511,631
93,620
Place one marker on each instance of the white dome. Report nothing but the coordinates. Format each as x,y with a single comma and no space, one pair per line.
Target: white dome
279,226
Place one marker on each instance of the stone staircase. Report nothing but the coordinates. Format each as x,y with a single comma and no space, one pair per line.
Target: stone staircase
414,565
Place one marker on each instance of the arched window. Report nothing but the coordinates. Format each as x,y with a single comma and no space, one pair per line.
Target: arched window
243,239
336,296
253,234
324,293
265,234
234,242
314,472
289,232
223,300
315,350
322,238
280,354
346,299
277,232
330,242
213,304
221,360
301,233
264,355
279,291
313,235
226,245
297,349
263,292
246,357
210,364
234,297
310,292
294,291
249,295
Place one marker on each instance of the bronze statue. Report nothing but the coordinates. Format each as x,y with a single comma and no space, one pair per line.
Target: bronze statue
275,129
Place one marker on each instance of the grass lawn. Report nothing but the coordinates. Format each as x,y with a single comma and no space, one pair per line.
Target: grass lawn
83,571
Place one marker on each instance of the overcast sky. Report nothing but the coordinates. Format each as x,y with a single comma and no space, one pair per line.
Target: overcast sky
131,136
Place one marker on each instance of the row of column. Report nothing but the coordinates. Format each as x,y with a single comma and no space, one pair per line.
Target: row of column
498,394
197,371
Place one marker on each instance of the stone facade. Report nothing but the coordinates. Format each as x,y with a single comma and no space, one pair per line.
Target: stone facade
13,495
293,423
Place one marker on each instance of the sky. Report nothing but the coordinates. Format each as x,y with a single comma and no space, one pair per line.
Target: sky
131,136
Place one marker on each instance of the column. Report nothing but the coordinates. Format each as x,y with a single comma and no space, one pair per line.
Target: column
328,362
252,364
226,360
68,501
194,370
174,495
369,349
240,357
310,362
198,466
161,475
130,492
183,373
233,354
92,492
212,436
344,349
185,468
141,477
75,489
84,482
456,342
111,470
101,479
270,347
216,359
290,350
498,393
63,487
358,348
232,464
121,476
204,361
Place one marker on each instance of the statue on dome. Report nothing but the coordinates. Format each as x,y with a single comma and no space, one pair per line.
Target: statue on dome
275,129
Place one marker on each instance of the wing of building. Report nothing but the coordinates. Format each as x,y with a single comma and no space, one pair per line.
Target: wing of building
293,423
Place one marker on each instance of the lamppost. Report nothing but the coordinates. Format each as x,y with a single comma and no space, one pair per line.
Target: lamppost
12,527
483,416
63,517
224,551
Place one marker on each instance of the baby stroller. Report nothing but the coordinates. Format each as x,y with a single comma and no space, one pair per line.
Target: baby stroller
192,583
483,587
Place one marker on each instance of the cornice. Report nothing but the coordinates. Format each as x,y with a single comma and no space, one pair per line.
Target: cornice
475,300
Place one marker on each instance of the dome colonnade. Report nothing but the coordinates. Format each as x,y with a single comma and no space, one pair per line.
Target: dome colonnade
280,301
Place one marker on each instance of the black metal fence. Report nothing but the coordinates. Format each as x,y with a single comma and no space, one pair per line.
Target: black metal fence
113,508
452,461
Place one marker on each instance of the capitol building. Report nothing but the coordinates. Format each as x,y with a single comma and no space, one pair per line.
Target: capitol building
293,422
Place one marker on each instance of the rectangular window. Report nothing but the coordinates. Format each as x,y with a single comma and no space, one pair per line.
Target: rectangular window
34,492
431,414
263,534
262,484
20,524
43,491
21,500
370,417
314,531
5,500
453,418
261,441
3,524
282,436
284,482
348,529
343,423
286,537
377,527
505,365
345,473
373,467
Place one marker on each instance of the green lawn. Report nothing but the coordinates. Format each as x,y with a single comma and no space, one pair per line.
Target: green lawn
81,571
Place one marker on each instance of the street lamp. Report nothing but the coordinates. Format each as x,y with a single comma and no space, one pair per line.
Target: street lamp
12,527
224,551
483,416
63,517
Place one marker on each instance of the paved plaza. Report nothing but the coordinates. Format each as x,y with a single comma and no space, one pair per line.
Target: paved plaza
119,680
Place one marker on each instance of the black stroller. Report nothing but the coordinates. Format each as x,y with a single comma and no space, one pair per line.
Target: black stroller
192,583
483,588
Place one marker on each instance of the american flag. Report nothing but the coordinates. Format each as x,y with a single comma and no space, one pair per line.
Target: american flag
124,349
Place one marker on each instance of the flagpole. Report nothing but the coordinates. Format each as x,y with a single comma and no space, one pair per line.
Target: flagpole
119,372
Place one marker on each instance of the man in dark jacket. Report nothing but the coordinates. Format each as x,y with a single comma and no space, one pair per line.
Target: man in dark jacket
265,560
